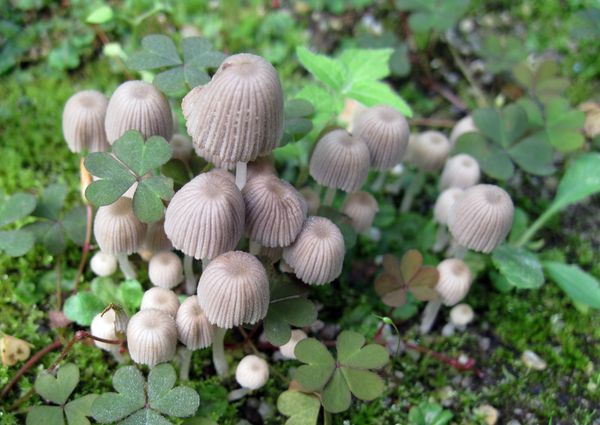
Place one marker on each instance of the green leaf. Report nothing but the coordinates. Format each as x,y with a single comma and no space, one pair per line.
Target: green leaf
322,67
160,380
195,76
105,290
141,157
372,93
208,59
580,286
19,205
563,125
320,364
16,242
116,178
303,409
282,314
145,417
112,407
78,409
157,51
363,384
51,202
534,155
400,61
298,108
147,200
193,47
581,180
45,415
336,396
130,294
429,414
171,81
74,223
101,15
58,389
50,235
366,64
520,267
82,307
503,127
493,161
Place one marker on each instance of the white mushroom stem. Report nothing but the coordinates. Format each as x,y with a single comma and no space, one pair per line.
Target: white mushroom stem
185,356
456,250
329,196
429,315
442,238
218,352
238,394
126,266
191,283
240,174
379,181
255,248
412,190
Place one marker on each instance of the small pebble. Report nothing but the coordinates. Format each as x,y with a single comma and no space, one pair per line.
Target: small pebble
489,413
532,360
513,422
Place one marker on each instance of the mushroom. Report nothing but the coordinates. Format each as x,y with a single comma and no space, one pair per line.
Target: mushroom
119,232
103,264
313,202
461,315
233,289
238,115
287,349
317,254
263,165
441,209
275,212
158,298
182,147
460,171
481,218
165,270
251,373
83,122
137,105
340,161
156,239
463,126
103,326
151,337
361,207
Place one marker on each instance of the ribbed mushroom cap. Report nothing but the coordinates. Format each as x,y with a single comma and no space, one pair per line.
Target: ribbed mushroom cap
206,216
162,299
252,372
103,264
341,161
165,270
454,282
429,150
103,326
136,105
317,254
234,289
361,207
193,328
461,315
275,211
461,170
287,349
464,125
481,218
444,203
238,115
182,147
83,121
386,132
117,229
151,337
263,165
313,201
156,239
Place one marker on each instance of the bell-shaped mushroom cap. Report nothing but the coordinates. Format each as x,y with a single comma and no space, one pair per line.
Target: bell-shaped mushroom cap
275,211
454,282
234,289
263,165
151,337
386,132
162,299
136,105
481,218
83,121
182,147
464,125
341,161
461,314
156,239
361,207
461,170
444,203
193,328
287,349
103,264
313,201
206,216
317,254
252,372
429,150
238,115
103,326
165,270
117,229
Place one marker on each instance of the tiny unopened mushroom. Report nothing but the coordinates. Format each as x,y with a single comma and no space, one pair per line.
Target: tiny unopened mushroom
460,171
151,337
182,147
83,121
463,126
165,270
313,201
461,315
441,210
103,326
361,207
103,264
317,254
158,298
287,349
252,373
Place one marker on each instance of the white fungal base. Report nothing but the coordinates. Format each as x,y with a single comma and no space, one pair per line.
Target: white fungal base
218,352
185,364
126,266
241,169
329,196
191,283
429,315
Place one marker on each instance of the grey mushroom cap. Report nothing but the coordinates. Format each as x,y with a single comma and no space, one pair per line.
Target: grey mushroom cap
165,270
193,328
386,132
361,207
461,171
429,150
341,161
163,299
317,254
481,218
151,337
205,218
117,229
275,211
444,203
234,289
238,115
137,105
83,121
454,282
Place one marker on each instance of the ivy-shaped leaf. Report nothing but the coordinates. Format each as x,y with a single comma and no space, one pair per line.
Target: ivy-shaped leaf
302,408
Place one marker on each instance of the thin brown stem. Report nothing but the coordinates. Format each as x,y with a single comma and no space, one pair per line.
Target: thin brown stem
105,40
478,92
468,365
79,336
58,268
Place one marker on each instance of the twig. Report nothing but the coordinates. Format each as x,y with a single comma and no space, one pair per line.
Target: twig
86,247
79,335
432,122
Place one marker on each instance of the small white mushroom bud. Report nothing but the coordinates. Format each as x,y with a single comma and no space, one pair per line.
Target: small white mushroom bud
103,326
193,328
165,270
103,264
460,171
158,298
461,315
287,349
252,372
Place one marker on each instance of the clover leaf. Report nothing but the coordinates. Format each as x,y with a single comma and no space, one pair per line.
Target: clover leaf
302,408
427,15
429,414
542,80
350,375
57,389
19,241
132,161
136,402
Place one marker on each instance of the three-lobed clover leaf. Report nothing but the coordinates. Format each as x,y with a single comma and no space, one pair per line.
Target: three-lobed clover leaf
427,15
302,408
406,275
19,241
541,80
132,161
136,402
350,375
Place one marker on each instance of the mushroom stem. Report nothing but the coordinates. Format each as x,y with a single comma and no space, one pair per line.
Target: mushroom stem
255,248
205,262
240,174
441,239
329,196
190,279
238,394
456,250
412,190
126,266
429,314
118,357
218,352
185,356
379,181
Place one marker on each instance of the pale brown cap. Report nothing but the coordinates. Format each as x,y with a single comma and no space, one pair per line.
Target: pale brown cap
454,282
165,270
263,165
182,147
252,372
238,115
136,105
234,289
117,229
287,350
461,171
317,254
103,326
151,337
313,201
444,203
206,216
386,132
83,121
158,298
481,218
461,314
361,207
275,211
463,126
429,150
340,161
193,328
156,239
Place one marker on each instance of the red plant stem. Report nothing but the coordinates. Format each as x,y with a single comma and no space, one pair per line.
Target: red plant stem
382,324
86,246
79,336
468,365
